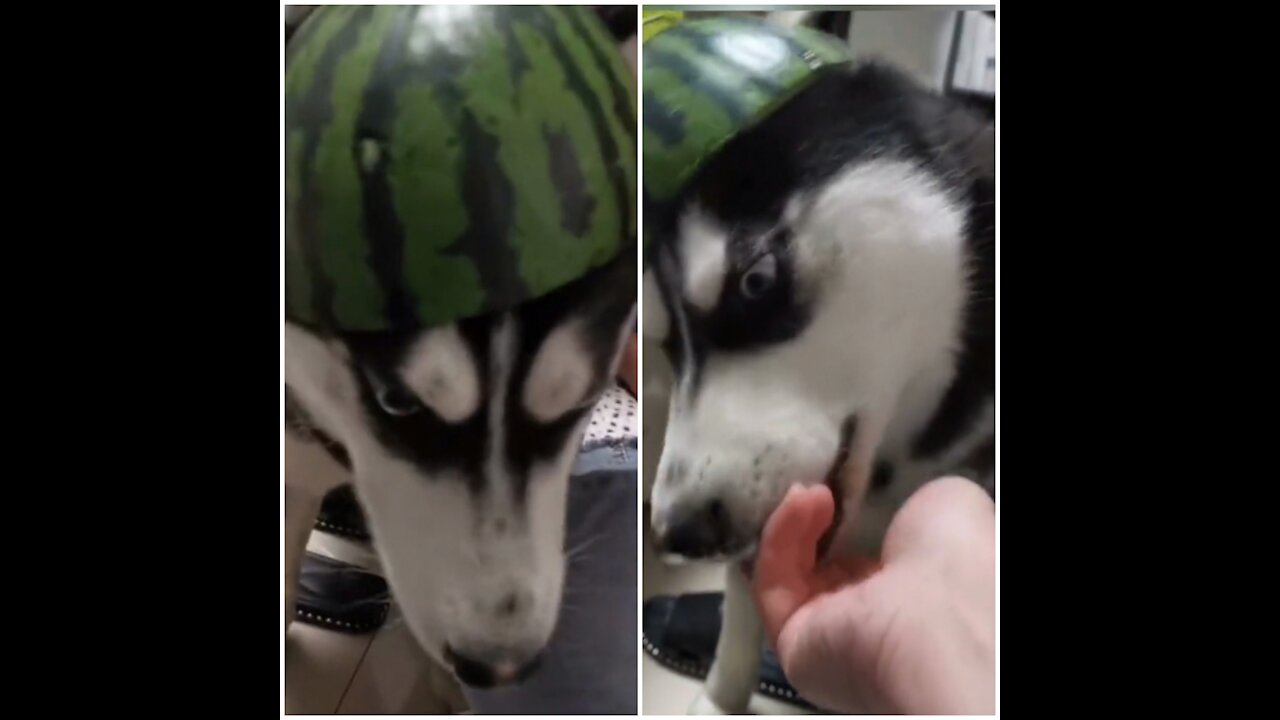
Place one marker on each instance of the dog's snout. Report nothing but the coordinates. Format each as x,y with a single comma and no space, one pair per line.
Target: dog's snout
705,532
478,672
513,604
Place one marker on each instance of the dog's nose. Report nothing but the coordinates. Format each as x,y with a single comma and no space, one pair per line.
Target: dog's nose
513,603
486,674
701,533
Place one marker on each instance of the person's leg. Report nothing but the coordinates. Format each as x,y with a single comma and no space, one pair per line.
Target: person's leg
590,665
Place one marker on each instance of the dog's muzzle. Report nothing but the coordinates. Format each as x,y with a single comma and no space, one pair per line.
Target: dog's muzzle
708,531
704,532
478,673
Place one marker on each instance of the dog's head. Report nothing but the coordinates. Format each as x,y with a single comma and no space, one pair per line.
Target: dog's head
461,439
812,273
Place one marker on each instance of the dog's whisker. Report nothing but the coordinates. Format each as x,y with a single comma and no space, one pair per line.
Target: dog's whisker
590,541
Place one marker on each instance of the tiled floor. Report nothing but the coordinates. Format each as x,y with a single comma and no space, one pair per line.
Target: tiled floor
666,692
383,673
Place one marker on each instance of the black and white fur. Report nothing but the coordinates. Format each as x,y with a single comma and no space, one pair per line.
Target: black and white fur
459,440
824,293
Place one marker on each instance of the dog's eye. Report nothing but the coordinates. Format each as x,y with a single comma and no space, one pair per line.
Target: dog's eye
757,280
393,400
397,402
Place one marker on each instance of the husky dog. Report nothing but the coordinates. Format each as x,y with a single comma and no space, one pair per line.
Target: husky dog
459,440
824,292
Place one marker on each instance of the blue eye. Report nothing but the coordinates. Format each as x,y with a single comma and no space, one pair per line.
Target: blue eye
759,278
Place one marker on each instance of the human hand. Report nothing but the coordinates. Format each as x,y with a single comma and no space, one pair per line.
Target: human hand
912,633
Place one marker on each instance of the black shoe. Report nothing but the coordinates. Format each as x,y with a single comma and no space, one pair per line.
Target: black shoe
341,597
341,515
336,595
680,632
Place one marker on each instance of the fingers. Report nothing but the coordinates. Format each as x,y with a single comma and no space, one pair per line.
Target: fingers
784,572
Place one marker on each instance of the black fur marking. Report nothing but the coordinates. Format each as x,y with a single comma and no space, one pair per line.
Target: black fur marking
776,315
619,19
881,476
424,439
982,461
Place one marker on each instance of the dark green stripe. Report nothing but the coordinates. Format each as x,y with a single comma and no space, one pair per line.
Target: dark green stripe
517,60
623,92
695,75
426,162
620,123
577,84
358,298
313,82
382,228
431,179
547,256
310,46
707,80
605,55
297,282
489,199
576,204
445,260
707,125
602,40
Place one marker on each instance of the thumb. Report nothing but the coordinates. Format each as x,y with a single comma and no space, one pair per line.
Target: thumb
784,573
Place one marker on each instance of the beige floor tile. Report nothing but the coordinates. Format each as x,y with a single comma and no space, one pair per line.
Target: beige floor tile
318,667
398,678
382,673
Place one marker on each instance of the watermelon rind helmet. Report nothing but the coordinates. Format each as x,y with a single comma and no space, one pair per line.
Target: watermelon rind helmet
705,81
446,162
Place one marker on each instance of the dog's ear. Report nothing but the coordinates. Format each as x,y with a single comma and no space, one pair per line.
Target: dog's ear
317,371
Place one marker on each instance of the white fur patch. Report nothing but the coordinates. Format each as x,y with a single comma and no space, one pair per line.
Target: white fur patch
441,370
318,372
702,251
560,376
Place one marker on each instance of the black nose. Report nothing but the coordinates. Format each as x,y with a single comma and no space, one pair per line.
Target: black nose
702,533
481,674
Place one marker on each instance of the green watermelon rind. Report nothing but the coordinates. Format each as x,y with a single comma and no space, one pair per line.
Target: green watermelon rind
444,164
